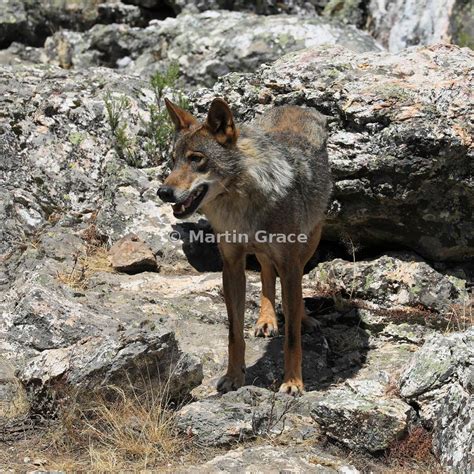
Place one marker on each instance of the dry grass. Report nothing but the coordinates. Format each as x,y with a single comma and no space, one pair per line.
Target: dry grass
413,453
94,260
460,317
125,431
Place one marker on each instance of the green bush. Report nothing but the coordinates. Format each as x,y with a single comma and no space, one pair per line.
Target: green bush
153,141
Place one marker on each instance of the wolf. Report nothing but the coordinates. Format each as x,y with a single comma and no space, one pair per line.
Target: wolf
270,176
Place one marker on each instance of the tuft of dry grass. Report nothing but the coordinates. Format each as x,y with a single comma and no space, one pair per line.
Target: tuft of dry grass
460,317
107,431
413,452
94,260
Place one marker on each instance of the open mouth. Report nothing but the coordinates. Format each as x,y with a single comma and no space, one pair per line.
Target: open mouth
191,203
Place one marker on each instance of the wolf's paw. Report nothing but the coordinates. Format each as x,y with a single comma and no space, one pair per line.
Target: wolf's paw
266,329
309,325
293,387
228,383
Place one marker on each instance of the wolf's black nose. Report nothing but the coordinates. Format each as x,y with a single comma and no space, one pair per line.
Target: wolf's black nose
166,193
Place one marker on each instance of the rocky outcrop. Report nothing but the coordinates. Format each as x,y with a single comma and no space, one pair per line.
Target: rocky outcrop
262,7
400,143
393,281
201,43
400,149
439,379
138,359
360,422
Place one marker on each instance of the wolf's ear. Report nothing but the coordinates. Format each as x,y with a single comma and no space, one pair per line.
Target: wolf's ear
181,118
220,122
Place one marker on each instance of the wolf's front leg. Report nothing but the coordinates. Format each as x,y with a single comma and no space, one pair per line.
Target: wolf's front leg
293,308
233,257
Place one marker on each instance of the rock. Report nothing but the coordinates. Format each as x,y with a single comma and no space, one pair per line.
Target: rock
132,255
38,318
14,404
139,358
439,380
200,43
229,419
391,281
12,20
32,21
402,23
263,7
353,12
400,150
270,458
361,423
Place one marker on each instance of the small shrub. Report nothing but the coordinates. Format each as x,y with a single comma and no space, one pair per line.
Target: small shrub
154,137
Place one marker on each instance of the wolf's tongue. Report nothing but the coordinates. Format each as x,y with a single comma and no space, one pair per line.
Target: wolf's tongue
188,201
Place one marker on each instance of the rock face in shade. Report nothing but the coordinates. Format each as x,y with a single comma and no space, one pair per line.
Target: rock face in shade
32,21
400,143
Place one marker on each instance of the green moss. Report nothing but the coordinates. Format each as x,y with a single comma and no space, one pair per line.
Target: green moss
369,281
76,138
392,91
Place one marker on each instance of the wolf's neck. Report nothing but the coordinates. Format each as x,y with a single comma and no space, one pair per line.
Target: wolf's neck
263,181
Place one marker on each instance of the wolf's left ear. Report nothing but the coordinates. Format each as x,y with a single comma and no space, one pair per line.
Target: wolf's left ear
181,118
220,122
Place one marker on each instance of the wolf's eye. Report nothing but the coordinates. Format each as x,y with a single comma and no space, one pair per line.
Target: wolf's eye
195,158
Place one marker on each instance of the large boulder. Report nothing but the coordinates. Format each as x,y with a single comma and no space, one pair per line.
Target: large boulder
53,338
440,381
204,45
138,359
400,143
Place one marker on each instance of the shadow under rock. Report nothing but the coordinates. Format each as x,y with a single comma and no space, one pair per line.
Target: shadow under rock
333,352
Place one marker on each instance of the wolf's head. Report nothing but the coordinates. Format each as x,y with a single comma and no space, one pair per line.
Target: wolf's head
204,158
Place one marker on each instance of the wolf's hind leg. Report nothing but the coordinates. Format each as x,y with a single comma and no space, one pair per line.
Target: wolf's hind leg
291,275
309,324
267,325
